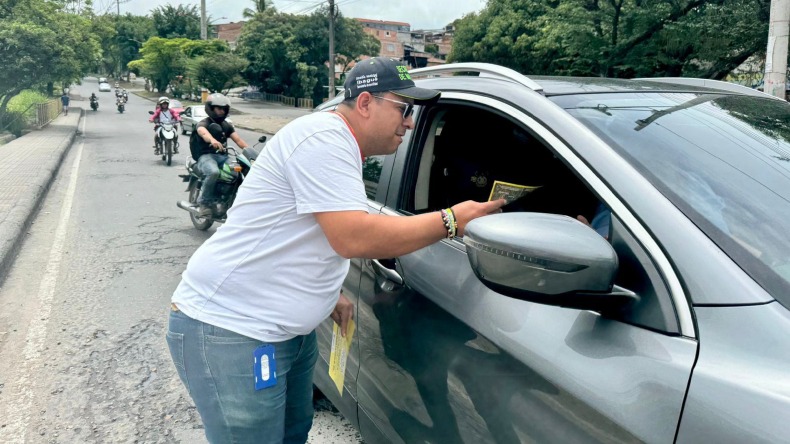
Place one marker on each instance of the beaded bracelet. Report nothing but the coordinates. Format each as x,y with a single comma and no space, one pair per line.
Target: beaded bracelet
450,223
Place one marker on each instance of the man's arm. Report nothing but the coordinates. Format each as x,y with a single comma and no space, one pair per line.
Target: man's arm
374,236
208,138
234,136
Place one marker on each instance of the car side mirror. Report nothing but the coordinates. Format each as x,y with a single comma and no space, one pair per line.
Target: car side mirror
547,259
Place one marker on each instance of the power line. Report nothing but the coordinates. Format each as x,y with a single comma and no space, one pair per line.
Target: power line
294,4
310,8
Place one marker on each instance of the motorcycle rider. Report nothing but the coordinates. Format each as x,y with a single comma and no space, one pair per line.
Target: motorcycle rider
125,96
212,152
94,99
163,114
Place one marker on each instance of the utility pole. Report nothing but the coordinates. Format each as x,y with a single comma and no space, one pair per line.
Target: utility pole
120,62
203,31
331,49
776,55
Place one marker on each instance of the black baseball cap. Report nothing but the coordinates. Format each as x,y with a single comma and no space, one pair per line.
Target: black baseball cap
385,74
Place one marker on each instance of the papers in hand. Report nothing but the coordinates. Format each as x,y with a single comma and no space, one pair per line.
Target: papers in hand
509,191
338,355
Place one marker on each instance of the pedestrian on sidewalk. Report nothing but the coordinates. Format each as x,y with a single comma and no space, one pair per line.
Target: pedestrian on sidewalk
64,100
256,290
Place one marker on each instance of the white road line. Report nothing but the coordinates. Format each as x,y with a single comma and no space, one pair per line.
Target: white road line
18,418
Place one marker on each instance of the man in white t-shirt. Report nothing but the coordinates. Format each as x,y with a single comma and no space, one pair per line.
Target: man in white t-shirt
253,294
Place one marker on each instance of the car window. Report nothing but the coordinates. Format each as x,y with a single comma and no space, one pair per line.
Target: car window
724,160
371,175
464,165
452,164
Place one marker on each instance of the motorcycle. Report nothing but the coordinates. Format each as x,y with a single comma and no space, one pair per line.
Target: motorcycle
231,176
121,106
94,104
166,140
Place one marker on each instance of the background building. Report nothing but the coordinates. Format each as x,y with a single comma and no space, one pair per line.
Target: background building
387,33
229,32
417,48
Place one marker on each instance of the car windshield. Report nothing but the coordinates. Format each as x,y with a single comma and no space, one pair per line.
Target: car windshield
724,160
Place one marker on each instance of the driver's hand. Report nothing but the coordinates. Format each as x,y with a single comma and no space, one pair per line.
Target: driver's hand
217,145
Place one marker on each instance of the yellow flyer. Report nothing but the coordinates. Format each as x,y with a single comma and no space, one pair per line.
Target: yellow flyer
509,191
339,354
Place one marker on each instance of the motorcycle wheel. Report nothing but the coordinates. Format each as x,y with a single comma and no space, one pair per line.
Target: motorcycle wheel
201,223
168,157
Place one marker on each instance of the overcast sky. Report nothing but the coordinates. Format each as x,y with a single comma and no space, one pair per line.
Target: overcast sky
420,14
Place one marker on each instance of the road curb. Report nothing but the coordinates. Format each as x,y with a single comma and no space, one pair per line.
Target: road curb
18,220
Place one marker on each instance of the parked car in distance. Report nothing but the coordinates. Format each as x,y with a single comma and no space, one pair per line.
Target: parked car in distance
329,105
191,116
636,289
177,106
105,87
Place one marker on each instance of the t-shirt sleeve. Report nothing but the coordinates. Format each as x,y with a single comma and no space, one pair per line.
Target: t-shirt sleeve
228,129
325,174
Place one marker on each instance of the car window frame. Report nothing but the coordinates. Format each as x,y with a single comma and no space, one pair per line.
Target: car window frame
679,299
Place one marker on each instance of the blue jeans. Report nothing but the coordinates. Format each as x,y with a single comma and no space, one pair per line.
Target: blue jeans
208,166
215,365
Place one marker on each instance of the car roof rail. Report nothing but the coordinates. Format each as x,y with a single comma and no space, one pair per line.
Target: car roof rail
709,83
483,69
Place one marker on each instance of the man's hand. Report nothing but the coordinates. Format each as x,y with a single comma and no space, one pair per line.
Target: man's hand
343,312
217,145
465,212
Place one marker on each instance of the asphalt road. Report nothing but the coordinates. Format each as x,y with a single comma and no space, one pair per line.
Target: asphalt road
92,283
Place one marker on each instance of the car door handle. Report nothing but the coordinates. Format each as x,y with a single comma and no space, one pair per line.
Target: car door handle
386,273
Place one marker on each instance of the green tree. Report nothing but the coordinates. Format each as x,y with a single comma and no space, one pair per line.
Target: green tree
121,38
177,21
220,72
616,38
42,45
163,60
288,53
131,32
260,6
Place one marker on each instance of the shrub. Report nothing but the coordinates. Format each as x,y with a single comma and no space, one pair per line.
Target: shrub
21,111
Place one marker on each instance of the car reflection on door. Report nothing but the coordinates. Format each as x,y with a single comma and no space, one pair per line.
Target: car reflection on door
429,377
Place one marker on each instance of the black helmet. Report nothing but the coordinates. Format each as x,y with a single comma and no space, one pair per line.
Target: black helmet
217,100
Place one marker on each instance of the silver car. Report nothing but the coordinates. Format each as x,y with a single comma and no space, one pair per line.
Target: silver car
191,116
636,289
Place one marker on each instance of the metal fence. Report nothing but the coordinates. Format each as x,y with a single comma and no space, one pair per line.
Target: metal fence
278,98
47,111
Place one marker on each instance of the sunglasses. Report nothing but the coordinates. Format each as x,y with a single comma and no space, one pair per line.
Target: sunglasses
407,109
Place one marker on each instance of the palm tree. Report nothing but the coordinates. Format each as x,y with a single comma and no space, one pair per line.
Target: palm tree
260,6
